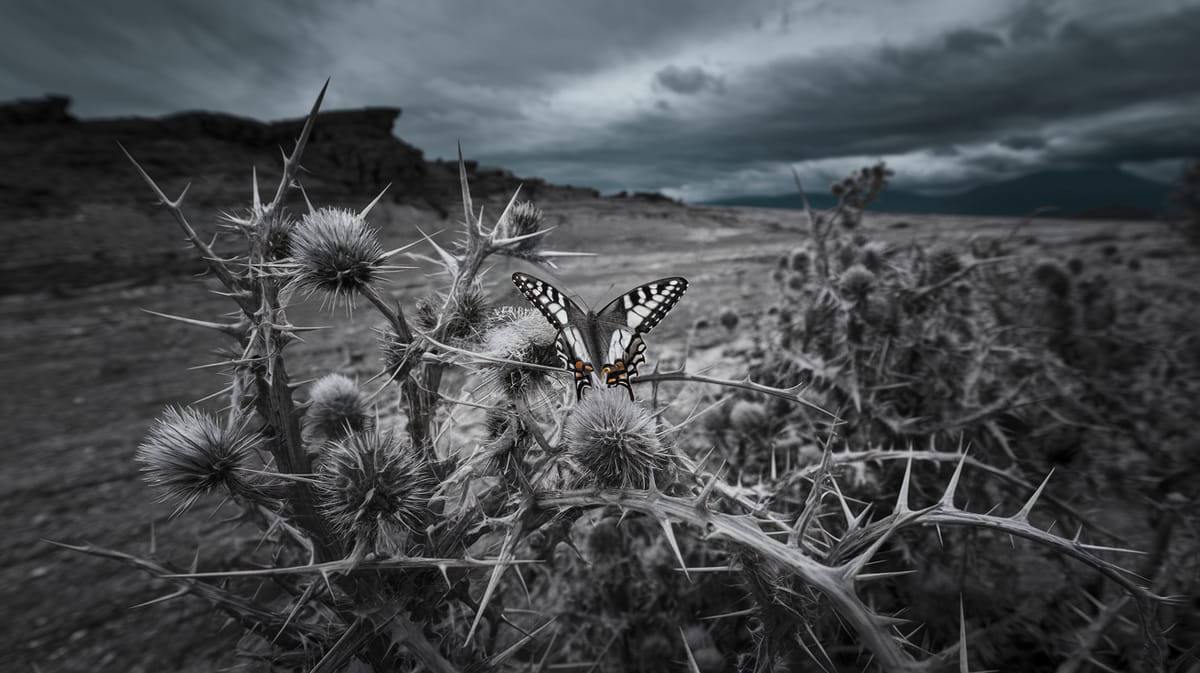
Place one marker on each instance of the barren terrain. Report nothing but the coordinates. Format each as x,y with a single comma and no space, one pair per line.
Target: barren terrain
86,370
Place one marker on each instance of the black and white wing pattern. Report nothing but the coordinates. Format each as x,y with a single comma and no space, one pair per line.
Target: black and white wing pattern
568,319
612,337
626,319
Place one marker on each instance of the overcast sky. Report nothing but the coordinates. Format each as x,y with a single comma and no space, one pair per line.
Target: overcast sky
697,99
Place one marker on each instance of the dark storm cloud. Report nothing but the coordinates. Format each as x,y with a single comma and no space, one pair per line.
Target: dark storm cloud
969,41
956,89
686,80
155,57
1031,23
620,94
1024,142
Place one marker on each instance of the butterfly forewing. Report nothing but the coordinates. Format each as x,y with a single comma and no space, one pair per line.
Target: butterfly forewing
565,316
629,317
556,306
643,307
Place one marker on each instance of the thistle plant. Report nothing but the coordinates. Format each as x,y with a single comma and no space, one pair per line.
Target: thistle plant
490,522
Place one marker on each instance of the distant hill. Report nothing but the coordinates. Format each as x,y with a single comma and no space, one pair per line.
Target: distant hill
1079,193
74,212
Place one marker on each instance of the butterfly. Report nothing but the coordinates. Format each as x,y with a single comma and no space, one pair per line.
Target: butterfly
612,337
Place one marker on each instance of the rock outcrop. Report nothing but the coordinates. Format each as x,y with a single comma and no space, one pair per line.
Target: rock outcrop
71,203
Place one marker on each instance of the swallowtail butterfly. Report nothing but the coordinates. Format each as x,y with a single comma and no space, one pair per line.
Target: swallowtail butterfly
612,337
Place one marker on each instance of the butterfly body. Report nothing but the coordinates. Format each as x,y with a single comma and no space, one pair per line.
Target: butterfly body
605,345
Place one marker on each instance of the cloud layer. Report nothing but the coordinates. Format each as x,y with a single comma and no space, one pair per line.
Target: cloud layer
695,99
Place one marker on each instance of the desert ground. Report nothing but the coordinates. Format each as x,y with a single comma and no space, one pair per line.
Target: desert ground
86,369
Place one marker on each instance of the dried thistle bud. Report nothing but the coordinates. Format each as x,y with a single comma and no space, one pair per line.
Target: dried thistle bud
873,256
847,255
729,319
523,219
464,318
857,282
188,454
749,418
425,317
614,440
398,356
520,335
336,409
799,261
374,489
1052,276
943,263
468,314
334,252
276,237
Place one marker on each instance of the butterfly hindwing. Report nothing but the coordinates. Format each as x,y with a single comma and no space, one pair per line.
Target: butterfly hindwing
573,352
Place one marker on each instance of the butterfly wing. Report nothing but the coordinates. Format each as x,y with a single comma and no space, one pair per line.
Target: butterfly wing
629,317
565,316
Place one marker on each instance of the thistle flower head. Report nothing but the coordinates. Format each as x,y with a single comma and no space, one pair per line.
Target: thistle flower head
398,356
857,282
799,260
335,252
520,335
729,319
188,454
275,238
1052,276
374,489
614,440
336,409
523,219
748,417
468,314
847,255
425,317
943,263
873,256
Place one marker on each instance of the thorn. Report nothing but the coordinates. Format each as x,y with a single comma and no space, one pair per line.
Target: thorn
902,499
706,492
503,216
869,577
290,163
728,615
304,193
963,667
255,199
468,209
693,667
230,329
853,568
667,530
1023,515
506,552
948,497
371,205
161,599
